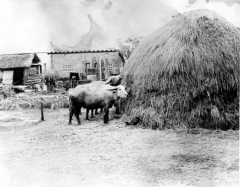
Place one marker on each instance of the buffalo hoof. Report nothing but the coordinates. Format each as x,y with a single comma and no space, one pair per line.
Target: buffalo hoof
69,124
106,122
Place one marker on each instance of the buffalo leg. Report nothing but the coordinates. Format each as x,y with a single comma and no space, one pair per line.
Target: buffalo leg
71,111
105,117
87,114
80,110
92,113
117,106
77,115
96,111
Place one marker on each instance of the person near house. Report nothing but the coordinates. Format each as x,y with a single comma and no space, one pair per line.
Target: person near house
74,81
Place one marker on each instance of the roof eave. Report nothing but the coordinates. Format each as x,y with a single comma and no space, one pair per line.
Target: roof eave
70,52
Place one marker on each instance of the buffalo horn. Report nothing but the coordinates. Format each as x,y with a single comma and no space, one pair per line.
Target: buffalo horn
112,89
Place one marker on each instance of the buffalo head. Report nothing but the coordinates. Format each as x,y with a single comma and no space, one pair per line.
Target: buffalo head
120,90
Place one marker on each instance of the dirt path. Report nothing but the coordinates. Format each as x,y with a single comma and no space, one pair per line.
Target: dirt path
53,154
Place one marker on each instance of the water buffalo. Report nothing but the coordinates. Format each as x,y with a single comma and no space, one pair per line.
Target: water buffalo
92,111
114,80
94,95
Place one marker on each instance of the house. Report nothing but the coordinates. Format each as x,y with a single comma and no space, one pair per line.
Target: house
19,69
87,63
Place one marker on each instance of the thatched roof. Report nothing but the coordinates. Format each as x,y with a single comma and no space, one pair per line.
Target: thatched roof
198,51
17,60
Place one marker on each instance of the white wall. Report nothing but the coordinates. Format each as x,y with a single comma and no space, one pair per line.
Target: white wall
45,59
1,75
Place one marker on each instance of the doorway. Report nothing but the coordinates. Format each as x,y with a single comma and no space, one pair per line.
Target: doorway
18,76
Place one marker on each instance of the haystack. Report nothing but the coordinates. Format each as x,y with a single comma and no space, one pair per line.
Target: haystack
186,72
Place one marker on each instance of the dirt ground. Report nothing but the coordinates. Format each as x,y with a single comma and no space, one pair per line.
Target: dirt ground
54,154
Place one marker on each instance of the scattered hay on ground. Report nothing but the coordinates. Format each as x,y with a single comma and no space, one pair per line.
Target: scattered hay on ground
33,101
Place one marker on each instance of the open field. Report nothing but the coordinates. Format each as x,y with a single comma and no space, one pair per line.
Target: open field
53,154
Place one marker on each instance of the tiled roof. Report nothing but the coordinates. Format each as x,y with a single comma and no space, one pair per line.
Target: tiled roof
97,51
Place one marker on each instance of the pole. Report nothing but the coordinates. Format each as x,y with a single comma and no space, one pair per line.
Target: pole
42,116
100,68
106,69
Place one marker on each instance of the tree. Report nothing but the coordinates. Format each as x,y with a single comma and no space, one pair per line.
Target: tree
127,46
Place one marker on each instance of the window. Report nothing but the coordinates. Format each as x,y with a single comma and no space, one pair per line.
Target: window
110,67
45,67
88,65
67,68
94,60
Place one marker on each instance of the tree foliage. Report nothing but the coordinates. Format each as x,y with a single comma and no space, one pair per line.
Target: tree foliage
127,46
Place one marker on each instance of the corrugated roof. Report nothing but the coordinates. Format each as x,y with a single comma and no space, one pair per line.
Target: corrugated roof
16,61
97,51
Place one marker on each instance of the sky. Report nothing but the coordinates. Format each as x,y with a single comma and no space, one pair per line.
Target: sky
32,25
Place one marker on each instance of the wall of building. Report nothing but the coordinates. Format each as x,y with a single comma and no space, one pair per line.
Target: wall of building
1,75
63,64
45,61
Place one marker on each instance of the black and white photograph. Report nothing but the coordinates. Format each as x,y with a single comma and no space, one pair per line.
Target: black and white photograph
119,93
